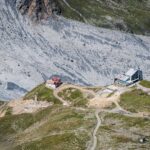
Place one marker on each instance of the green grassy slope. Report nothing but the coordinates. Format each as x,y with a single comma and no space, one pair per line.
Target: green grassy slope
127,15
1,103
64,128
75,96
145,83
43,94
56,127
122,132
135,101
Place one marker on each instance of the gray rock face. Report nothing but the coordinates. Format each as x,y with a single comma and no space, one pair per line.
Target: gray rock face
82,54
12,87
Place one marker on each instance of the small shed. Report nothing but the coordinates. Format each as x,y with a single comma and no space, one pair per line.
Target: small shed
130,77
54,82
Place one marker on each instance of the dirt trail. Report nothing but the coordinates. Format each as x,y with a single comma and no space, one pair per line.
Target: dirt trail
95,130
82,89
144,89
102,100
107,96
99,100
3,109
56,94
27,106
66,86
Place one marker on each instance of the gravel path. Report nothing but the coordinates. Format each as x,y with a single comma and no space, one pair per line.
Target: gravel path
144,89
95,130
66,86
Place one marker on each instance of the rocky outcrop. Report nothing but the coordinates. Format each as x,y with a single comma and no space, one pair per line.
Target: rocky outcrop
38,9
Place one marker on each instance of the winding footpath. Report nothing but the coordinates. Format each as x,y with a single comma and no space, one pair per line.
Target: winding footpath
66,86
95,130
114,99
144,89
66,103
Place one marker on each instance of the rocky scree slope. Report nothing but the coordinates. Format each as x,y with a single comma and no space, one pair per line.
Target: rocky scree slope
79,53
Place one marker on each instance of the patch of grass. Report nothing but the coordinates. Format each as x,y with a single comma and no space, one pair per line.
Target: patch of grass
8,111
135,101
122,139
145,83
111,94
128,122
107,128
43,94
1,103
66,141
12,124
75,96
112,106
95,89
122,132
52,128
62,120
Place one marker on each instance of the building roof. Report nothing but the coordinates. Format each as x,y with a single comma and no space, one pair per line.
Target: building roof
56,79
123,77
131,72
127,75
